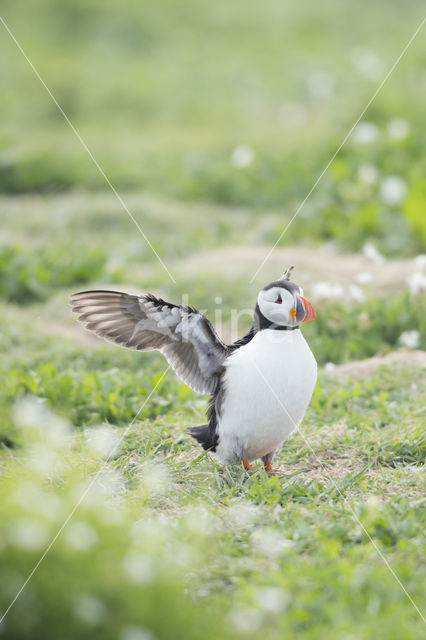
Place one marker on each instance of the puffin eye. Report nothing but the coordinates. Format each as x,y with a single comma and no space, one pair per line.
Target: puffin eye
279,299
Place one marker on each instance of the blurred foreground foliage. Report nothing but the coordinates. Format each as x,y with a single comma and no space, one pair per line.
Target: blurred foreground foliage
160,548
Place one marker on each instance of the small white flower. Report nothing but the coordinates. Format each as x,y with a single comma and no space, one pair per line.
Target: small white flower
241,514
28,534
242,156
139,568
372,253
365,133
47,503
373,503
44,459
109,482
33,414
200,521
392,190
363,277
417,282
270,542
329,366
271,599
102,440
328,290
368,173
320,84
420,261
293,114
155,479
81,536
398,128
356,293
410,339
367,62
90,609
246,620
136,633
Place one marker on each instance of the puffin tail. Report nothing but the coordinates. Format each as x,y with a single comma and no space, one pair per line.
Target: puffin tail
204,436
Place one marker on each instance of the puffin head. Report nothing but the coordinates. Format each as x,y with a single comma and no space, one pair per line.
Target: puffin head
281,305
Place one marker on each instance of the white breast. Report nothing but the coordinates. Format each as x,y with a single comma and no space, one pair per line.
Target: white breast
268,384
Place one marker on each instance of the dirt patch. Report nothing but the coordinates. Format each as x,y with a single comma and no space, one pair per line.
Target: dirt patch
312,265
359,368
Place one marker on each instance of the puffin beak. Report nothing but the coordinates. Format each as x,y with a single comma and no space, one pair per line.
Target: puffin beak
308,309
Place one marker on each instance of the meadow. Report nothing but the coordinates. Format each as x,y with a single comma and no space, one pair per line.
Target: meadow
213,123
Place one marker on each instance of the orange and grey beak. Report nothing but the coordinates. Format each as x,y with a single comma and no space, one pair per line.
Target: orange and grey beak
305,310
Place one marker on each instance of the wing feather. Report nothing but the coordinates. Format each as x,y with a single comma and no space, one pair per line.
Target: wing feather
182,334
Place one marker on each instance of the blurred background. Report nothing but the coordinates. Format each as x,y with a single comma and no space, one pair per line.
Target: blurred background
213,121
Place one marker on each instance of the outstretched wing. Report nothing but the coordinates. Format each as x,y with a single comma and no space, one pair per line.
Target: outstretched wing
182,334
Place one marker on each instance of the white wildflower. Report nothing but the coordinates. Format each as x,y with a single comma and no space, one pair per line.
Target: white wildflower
320,84
246,620
155,479
363,277
373,503
329,366
271,599
241,514
136,633
420,261
28,534
201,521
392,190
242,156
368,173
108,483
139,568
372,253
367,62
356,293
293,114
398,128
410,339
44,459
33,414
270,542
90,609
417,282
365,133
102,440
47,503
80,535
328,290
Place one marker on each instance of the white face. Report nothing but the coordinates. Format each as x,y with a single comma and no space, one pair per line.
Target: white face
278,305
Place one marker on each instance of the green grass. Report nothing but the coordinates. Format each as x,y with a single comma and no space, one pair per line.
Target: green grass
166,543
178,87
222,549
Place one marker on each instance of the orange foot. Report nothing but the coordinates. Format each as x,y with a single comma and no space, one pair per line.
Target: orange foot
268,467
246,464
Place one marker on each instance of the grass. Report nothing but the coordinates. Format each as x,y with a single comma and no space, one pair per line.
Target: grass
179,90
164,541
234,552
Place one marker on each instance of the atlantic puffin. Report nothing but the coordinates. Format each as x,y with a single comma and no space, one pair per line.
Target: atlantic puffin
260,385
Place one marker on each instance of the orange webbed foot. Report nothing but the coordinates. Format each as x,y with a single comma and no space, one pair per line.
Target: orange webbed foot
268,467
246,464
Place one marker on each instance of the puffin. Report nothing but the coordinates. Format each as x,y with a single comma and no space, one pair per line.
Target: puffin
260,386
